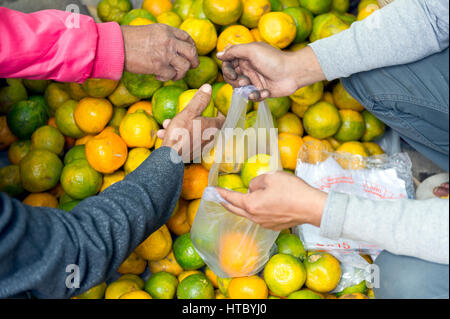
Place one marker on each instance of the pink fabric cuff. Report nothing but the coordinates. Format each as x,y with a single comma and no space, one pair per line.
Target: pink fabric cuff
110,55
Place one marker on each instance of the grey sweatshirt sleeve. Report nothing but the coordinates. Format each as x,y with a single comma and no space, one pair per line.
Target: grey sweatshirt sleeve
403,227
38,243
404,31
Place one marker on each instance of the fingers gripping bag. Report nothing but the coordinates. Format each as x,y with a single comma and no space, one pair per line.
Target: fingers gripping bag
233,246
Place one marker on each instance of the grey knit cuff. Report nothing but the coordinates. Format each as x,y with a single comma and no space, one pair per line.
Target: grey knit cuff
334,215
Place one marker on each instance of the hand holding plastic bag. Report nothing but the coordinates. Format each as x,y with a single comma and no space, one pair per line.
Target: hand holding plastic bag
230,245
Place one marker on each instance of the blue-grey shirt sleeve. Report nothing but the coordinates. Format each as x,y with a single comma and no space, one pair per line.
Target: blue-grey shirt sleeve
402,32
417,228
38,243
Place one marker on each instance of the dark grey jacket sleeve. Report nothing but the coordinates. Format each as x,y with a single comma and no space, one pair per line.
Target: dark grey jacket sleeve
37,243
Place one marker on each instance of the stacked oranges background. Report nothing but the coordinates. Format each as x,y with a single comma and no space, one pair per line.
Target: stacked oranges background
68,141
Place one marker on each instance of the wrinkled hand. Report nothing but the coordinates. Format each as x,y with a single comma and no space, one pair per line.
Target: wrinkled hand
273,72
159,49
277,201
173,134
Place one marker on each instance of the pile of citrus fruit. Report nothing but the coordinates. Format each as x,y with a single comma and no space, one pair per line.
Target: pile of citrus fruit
68,141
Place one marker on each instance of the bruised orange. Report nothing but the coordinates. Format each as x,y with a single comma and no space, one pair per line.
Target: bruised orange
106,152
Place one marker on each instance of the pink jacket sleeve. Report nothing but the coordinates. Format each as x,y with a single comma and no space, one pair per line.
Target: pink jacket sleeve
49,45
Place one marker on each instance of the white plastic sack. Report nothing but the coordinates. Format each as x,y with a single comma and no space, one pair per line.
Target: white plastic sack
230,245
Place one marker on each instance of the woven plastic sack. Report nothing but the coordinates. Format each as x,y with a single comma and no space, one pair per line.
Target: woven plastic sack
233,246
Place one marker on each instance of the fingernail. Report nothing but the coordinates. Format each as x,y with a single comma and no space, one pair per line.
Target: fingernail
206,88
242,82
220,54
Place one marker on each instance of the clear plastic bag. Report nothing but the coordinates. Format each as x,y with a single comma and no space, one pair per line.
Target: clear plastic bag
378,177
230,245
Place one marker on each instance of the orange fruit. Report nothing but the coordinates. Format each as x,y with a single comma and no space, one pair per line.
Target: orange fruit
355,295
252,287
195,181
277,29
192,210
327,25
289,146
99,88
343,100
10,180
65,121
351,155
120,287
139,129
314,150
76,91
18,150
256,35
308,95
284,274
111,179
121,97
365,9
156,246
374,127
323,272
41,200
83,140
170,18
6,136
136,157
322,120
252,11
136,295
178,223
202,32
48,138
352,127
142,105
135,278
290,123
254,166
223,12
328,97
156,7
92,114
211,276
168,264
141,21
187,273
96,292
133,265
235,34
106,152
238,253
79,180
373,148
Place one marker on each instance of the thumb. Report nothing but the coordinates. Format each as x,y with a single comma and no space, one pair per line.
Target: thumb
200,101
238,51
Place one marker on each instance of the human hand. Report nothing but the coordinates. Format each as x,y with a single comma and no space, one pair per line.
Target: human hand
277,201
178,133
159,49
273,72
